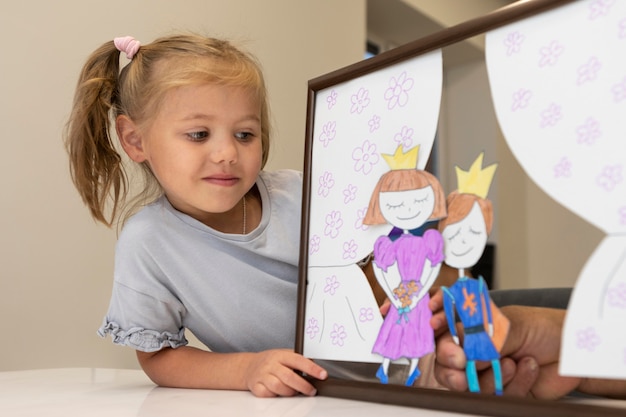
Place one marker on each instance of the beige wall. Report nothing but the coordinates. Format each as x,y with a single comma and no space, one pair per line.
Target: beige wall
55,262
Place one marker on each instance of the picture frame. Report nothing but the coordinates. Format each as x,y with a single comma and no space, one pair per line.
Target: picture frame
434,399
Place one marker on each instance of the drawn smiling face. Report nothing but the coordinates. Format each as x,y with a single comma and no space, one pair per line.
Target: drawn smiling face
407,209
465,240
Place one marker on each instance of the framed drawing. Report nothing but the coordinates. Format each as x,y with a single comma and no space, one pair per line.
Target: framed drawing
378,116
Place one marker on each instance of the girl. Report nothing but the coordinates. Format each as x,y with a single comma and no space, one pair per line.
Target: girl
406,266
212,242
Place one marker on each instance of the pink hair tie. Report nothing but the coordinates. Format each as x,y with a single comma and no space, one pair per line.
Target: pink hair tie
128,45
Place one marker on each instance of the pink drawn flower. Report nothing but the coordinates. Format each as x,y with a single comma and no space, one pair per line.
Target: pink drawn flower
589,131
550,54
349,193
312,328
331,99
513,43
621,212
314,244
360,100
374,123
589,71
599,8
563,168
366,314
349,249
622,29
397,92
331,285
617,295
610,177
333,224
338,335
551,115
619,91
588,339
328,133
520,99
404,137
326,182
365,157
360,215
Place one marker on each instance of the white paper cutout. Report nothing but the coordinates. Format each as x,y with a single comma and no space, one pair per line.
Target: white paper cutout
559,87
355,122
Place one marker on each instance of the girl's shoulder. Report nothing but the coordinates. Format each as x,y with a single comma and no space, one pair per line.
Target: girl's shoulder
282,179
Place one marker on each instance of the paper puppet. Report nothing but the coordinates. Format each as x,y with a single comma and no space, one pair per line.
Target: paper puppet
406,266
465,232
559,90
356,122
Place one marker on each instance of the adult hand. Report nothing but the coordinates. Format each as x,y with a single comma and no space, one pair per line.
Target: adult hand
272,373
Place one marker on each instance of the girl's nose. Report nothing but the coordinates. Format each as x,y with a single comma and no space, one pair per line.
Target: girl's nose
224,150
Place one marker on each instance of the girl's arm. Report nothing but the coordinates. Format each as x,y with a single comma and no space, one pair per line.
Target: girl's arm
266,374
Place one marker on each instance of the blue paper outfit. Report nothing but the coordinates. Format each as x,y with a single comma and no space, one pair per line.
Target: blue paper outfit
469,298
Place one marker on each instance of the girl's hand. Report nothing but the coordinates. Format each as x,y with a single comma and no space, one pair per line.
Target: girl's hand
272,373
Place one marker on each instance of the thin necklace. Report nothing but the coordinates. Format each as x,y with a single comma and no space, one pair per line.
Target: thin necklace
244,214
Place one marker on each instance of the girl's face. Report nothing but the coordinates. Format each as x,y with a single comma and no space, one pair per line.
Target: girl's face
407,209
465,240
204,147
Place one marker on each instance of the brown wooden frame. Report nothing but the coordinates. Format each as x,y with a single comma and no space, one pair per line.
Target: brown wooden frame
481,404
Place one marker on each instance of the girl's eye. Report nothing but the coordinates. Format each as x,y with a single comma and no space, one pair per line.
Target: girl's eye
198,136
475,232
423,200
244,136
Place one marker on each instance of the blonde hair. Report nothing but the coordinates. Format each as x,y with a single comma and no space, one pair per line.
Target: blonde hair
137,91
403,180
459,206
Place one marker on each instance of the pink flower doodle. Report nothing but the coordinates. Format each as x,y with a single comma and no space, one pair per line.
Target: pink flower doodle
588,339
366,314
563,168
550,54
551,115
374,123
599,8
314,244
360,215
617,295
621,28
610,177
326,182
589,71
397,92
513,43
365,157
621,212
619,91
331,285
349,193
349,249
360,101
312,328
333,224
520,99
328,133
588,132
404,137
331,99
338,335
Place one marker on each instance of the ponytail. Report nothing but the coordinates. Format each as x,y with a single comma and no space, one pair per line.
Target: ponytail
95,164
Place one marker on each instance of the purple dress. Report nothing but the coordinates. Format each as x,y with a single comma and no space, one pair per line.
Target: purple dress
407,333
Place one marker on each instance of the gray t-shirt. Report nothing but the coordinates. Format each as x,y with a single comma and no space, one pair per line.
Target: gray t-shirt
236,293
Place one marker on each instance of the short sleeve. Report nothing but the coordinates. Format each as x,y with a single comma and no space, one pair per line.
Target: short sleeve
143,322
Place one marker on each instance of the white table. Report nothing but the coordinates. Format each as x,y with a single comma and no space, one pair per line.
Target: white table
87,392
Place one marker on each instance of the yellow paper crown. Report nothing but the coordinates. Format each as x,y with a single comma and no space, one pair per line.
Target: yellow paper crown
477,180
403,160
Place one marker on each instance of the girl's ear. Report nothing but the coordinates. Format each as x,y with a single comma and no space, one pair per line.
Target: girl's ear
130,138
